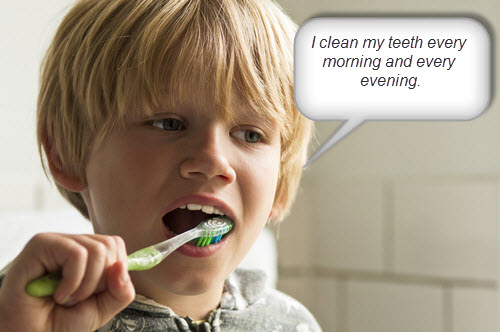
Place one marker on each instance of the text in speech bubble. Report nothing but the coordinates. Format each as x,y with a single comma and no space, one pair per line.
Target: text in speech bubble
359,69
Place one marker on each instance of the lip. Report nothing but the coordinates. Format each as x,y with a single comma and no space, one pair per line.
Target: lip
202,199
194,251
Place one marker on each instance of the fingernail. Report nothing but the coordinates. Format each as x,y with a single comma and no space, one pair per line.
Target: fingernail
65,299
68,301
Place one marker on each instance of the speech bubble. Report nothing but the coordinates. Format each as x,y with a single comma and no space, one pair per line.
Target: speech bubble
361,69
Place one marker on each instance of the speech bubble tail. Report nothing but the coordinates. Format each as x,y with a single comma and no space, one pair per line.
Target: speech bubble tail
340,133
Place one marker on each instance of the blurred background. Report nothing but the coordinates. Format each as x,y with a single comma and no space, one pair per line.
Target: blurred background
395,228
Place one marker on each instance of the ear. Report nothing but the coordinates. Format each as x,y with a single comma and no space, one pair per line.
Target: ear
60,175
275,210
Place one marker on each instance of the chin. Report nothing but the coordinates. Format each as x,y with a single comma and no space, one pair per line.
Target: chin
189,281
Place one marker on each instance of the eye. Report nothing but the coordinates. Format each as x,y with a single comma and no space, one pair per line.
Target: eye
247,135
169,124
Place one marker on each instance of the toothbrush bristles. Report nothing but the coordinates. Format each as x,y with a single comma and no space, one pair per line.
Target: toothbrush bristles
205,241
212,237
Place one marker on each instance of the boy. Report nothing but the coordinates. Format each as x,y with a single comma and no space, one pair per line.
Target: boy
154,115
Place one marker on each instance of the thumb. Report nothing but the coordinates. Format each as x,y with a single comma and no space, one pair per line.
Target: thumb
119,294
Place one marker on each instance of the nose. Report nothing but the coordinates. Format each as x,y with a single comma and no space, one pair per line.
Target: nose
207,157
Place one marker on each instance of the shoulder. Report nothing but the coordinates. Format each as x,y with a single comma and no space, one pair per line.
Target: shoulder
285,307
250,303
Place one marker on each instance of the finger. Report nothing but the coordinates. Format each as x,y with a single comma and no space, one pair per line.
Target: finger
101,253
118,253
73,258
118,295
45,252
121,251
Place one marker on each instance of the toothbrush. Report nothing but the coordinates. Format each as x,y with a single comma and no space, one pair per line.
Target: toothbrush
208,231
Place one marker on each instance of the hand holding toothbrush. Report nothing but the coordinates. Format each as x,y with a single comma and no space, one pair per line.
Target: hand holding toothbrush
95,285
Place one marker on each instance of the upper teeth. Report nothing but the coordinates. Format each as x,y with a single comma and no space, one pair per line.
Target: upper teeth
205,208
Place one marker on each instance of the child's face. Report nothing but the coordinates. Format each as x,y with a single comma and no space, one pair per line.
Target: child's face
150,168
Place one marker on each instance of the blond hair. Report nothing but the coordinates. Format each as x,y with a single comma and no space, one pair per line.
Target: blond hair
108,55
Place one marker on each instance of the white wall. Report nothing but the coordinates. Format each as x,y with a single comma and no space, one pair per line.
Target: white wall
26,29
396,227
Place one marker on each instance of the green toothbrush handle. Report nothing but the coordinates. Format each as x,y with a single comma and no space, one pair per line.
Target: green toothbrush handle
140,260
45,285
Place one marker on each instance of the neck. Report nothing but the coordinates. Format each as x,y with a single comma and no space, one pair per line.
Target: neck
196,305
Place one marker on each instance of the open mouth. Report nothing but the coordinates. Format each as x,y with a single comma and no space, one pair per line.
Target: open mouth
185,218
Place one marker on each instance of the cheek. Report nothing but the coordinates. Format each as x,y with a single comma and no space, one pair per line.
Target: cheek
261,181
124,179
258,186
